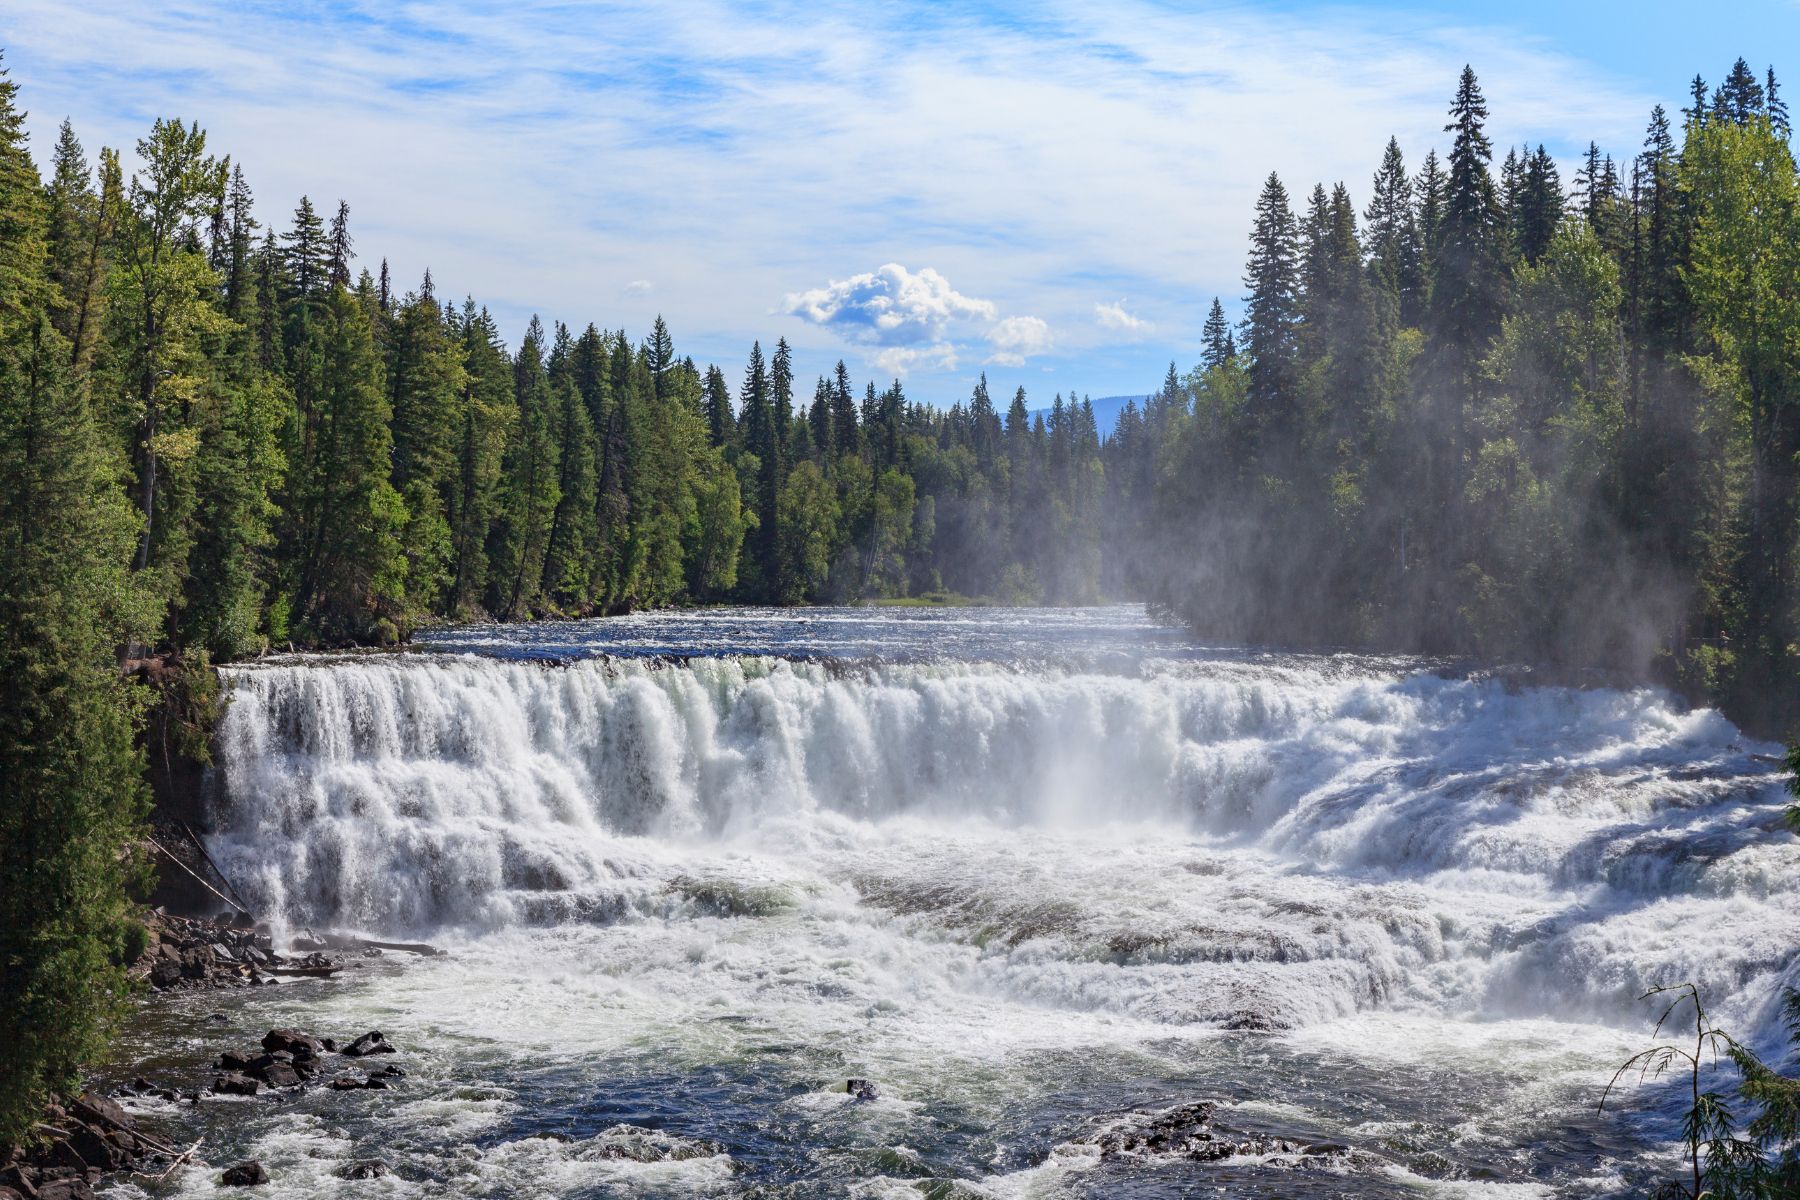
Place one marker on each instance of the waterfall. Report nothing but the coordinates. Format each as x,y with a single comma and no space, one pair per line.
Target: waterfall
1229,840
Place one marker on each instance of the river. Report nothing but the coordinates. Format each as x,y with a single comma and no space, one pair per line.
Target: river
1024,870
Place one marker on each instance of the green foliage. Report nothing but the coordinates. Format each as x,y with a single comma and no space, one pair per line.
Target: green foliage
1724,1157
69,769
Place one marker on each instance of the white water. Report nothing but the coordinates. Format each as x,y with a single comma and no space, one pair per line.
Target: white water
938,875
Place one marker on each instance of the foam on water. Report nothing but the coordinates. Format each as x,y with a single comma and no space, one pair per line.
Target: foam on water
1002,889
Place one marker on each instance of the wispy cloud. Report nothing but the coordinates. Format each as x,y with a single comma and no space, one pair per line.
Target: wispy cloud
547,156
1114,318
1017,338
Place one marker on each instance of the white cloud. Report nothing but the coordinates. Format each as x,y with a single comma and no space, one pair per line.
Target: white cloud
890,306
1114,317
917,319
639,287
1017,338
900,361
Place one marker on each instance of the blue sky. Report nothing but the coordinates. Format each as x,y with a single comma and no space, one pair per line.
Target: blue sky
1048,192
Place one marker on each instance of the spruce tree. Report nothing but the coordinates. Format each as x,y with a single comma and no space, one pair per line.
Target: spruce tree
1271,319
529,490
818,422
1215,338
1393,235
338,268
715,405
843,412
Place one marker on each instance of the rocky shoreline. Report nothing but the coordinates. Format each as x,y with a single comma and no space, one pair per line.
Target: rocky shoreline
186,954
86,1139
82,1141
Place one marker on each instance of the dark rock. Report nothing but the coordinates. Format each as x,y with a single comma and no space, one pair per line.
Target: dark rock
376,1083
167,1094
245,1174
165,974
345,1083
293,1042
1325,1149
1183,1132
390,1071
279,1075
98,1109
95,1150
65,1189
861,1090
217,1018
372,1168
369,1043
141,1085
235,1060
234,1083
196,963
329,1044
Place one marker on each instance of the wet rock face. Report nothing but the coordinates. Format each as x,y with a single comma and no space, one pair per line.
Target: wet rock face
90,1137
229,952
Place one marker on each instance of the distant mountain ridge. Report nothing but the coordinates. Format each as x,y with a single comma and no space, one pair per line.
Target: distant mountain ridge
1106,411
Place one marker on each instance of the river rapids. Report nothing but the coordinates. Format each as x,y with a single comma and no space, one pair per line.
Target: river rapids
1024,870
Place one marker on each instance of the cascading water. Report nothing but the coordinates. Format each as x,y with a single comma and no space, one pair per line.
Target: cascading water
1021,893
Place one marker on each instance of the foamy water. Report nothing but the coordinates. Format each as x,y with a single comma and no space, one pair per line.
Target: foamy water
1024,872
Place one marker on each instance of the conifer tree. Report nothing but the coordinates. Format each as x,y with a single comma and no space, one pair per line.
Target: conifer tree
1393,235
844,434
338,269
818,422
1271,318
715,406
1215,338
307,252
485,419
529,491
349,575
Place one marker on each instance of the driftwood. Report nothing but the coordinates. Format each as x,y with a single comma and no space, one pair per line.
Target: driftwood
209,887
179,1159
339,941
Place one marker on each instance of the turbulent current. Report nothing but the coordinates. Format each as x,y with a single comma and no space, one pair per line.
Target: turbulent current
1026,871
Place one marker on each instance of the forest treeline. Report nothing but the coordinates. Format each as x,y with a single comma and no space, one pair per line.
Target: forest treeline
1486,412
1497,414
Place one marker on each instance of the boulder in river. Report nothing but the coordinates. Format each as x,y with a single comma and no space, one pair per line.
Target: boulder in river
371,1168
294,1042
248,1173
372,1042
235,1083
1188,1132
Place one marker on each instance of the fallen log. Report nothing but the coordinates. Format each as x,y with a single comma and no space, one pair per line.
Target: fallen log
309,972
